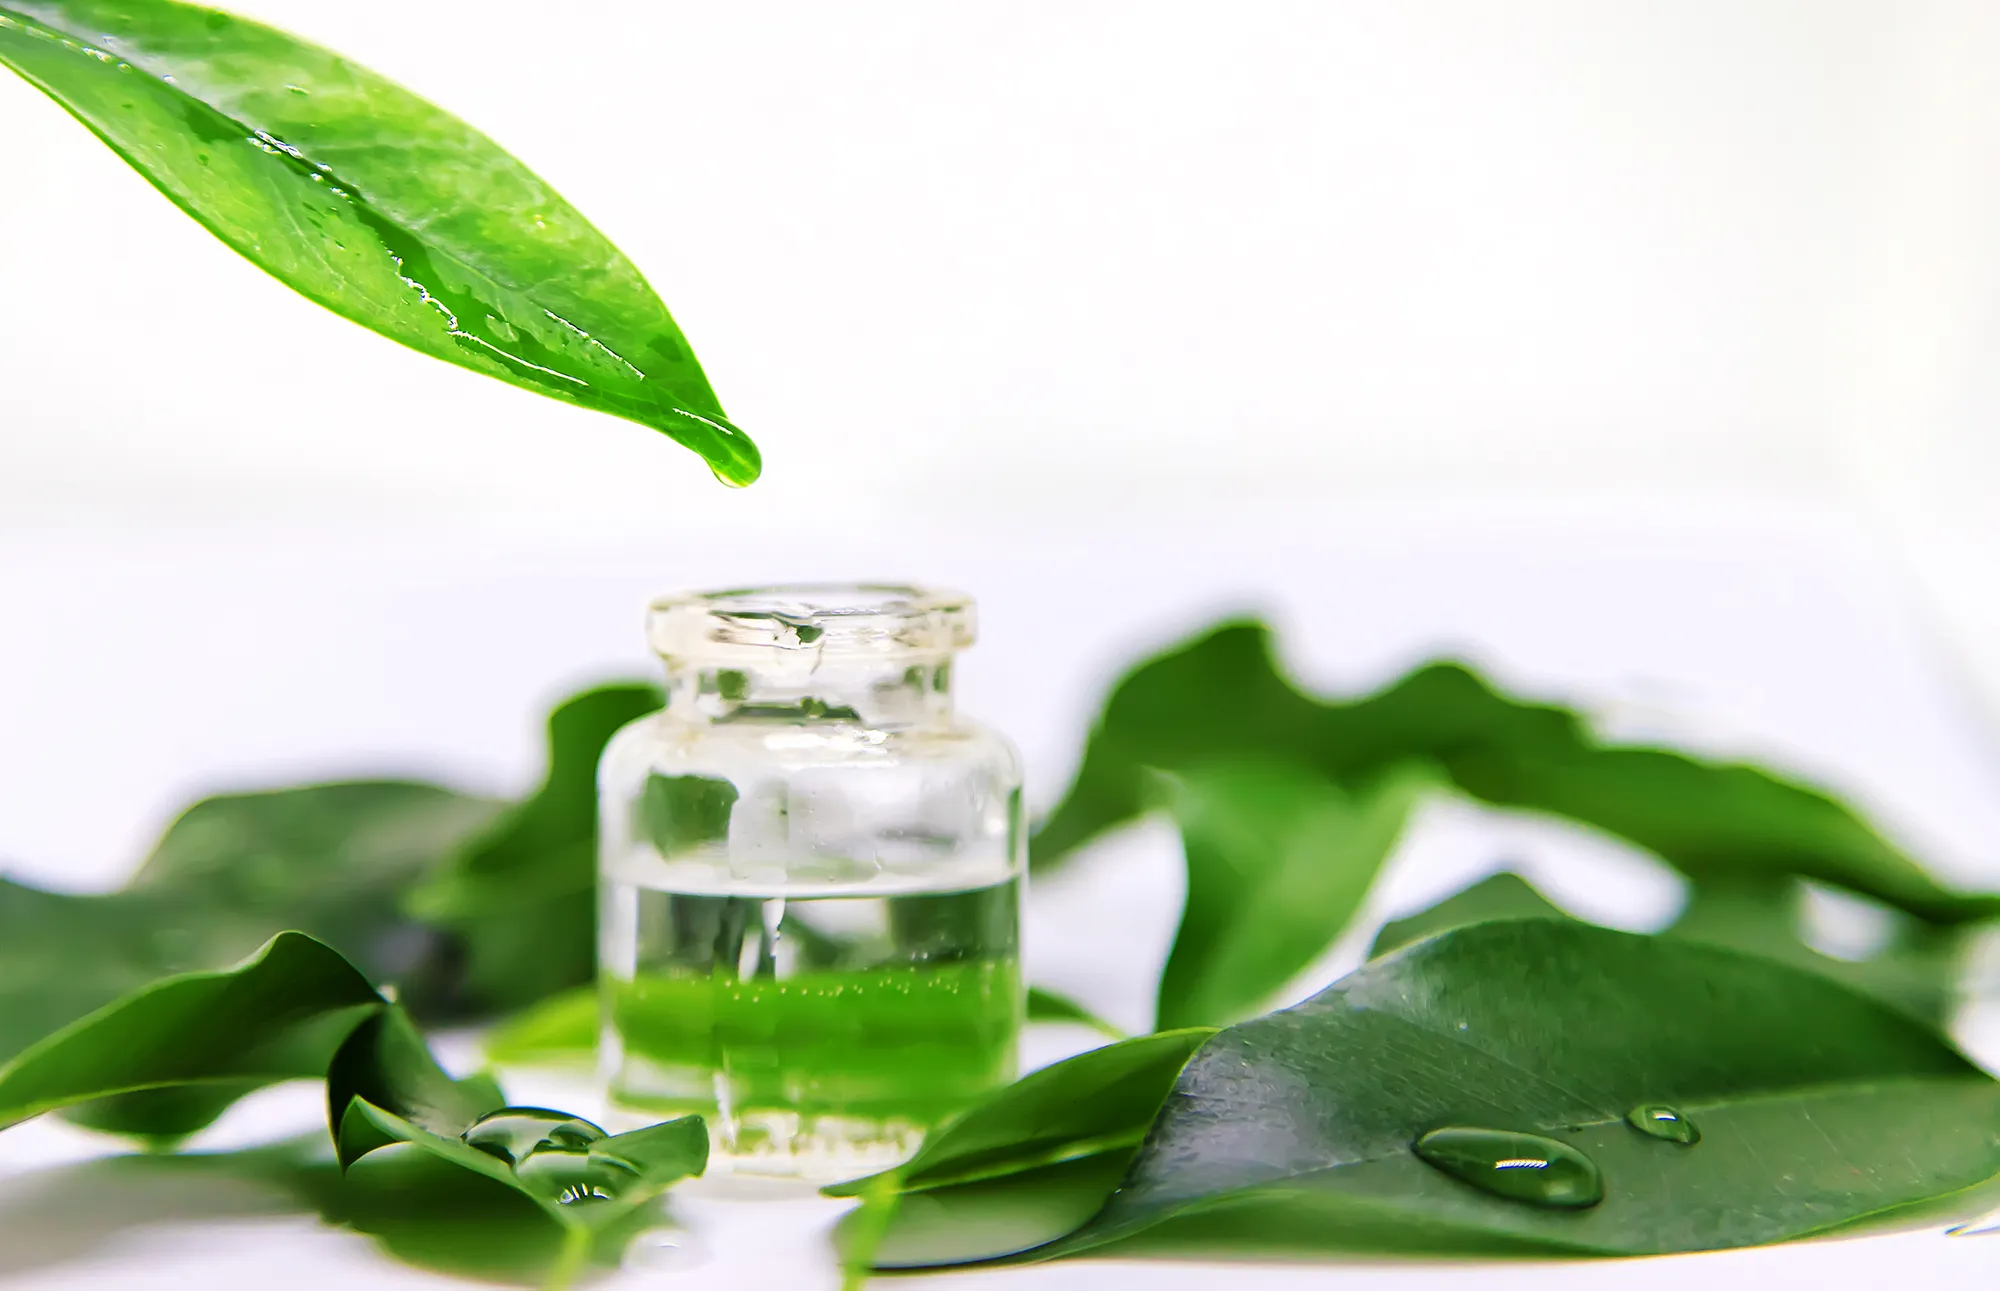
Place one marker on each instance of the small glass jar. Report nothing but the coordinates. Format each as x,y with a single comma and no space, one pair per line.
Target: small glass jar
810,876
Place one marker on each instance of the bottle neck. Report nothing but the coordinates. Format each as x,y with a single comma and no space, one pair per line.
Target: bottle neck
887,691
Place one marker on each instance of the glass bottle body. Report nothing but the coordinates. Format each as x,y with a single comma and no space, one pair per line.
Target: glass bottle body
811,882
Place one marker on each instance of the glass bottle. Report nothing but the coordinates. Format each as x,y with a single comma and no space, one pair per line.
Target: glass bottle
811,873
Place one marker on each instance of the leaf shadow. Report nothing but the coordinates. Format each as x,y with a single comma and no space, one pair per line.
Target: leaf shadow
414,1207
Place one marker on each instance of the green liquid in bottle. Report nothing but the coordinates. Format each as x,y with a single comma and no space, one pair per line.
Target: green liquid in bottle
820,1034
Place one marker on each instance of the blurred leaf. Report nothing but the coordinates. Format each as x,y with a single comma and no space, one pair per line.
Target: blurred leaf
1816,1106
277,1016
374,203
1916,972
330,860
1500,896
678,812
230,873
1045,1005
1221,698
522,898
1278,860
560,1030
1099,1101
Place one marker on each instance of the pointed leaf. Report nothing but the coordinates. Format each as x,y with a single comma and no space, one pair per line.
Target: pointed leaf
365,198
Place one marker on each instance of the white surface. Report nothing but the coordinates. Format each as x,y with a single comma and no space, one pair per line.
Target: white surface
136,671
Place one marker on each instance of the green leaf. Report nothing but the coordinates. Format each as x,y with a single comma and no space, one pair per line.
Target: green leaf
1045,1005
1816,1106
384,1089
676,813
1917,971
1505,895
1278,860
560,1030
229,874
1096,1102
522,898
365,198
276,1016
386,1062
1220,698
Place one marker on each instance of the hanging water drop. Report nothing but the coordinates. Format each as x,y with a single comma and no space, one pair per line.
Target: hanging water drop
1658,1121
514,1134
1520,1167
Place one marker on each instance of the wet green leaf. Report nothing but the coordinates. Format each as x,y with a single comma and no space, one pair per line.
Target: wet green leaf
384,1089
277,1016
1278,860
374,203
522,898
1818,1106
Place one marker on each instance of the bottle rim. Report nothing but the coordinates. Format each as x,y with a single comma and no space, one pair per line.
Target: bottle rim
821,618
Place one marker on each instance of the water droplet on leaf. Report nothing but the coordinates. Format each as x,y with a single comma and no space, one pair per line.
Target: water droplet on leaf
1657,1120
514,1134
1520,1167
573,1177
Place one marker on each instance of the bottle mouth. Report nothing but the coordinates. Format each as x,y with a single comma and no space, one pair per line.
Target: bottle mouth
820,618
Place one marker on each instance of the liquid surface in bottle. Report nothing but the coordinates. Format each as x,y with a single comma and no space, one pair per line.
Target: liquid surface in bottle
820,1032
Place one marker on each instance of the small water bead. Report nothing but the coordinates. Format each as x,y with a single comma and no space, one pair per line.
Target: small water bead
1520,1167
1658,1121
514,1134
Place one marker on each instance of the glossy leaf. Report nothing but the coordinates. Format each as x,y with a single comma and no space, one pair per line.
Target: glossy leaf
1818,1106
278,1015
1045,1005
1500,896
1096,1102
384,1088
374,203
1220,697
1278,860
522,898
386,1062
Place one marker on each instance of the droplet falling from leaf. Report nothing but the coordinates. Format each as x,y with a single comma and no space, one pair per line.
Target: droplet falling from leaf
1520,1167
1657,1120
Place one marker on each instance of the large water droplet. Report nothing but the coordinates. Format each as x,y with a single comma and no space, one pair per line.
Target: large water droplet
516,1133
1657,1120
1519,1167
573,1177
